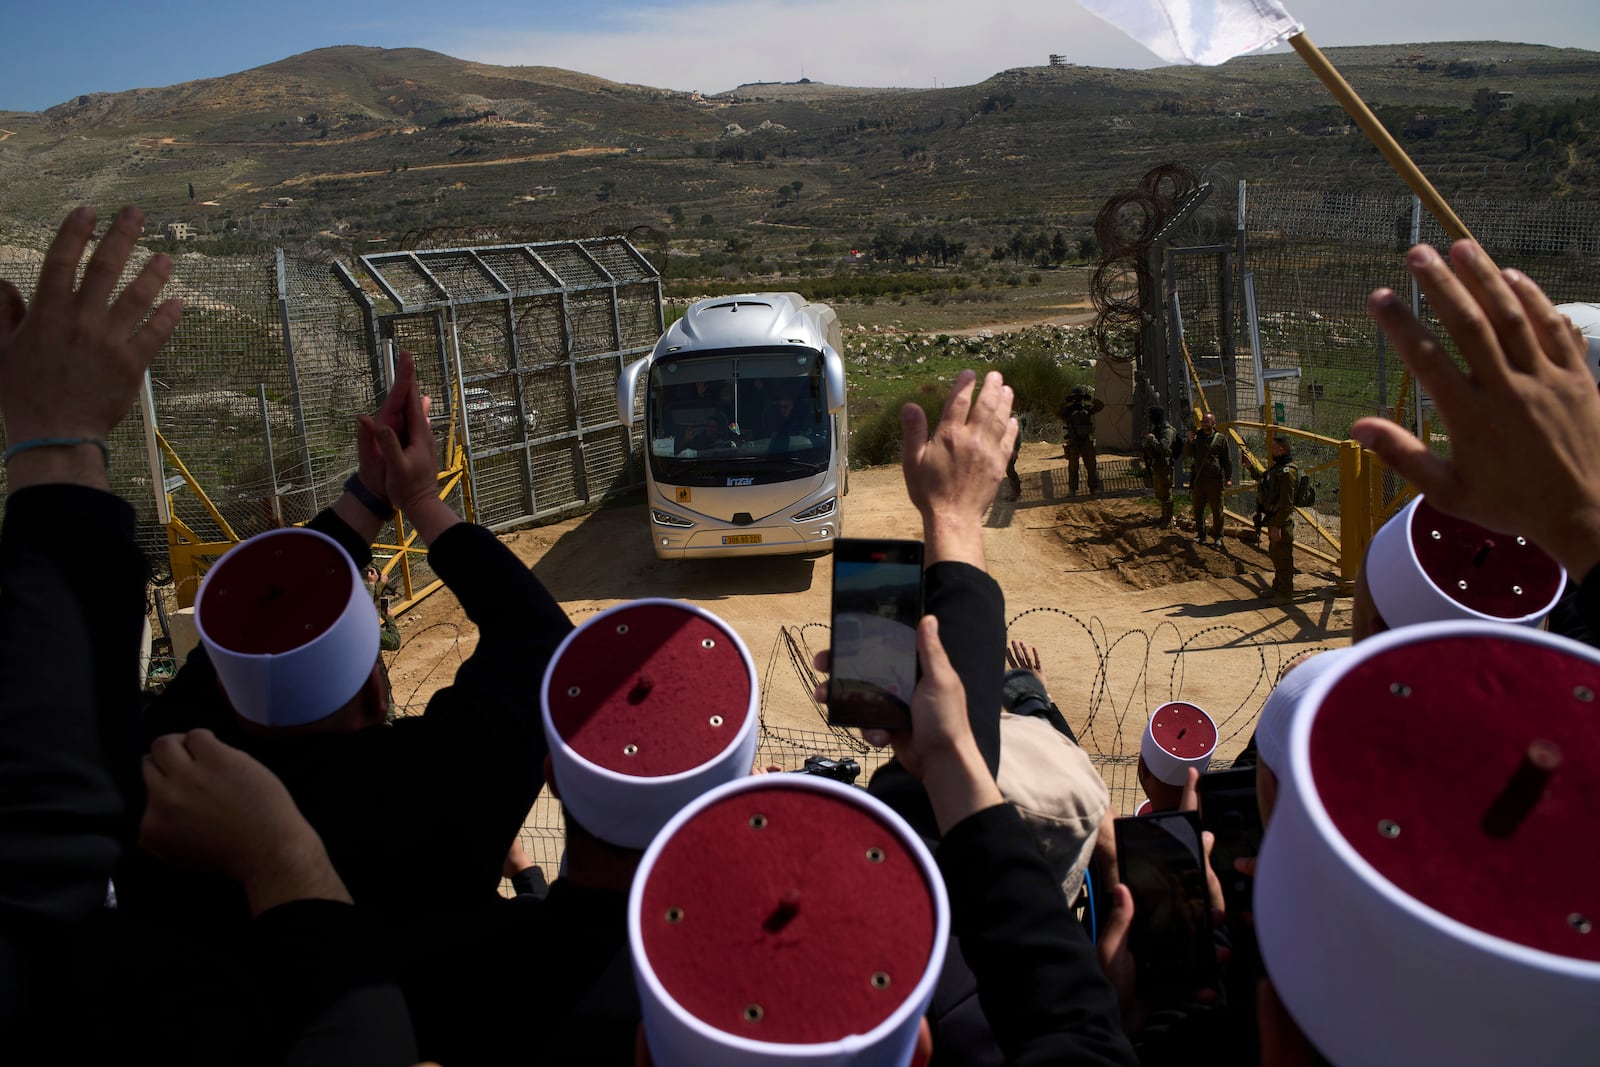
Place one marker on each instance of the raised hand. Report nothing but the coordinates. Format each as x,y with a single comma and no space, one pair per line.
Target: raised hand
1523,418
216,808
952,477
404,438
72,361
1024,656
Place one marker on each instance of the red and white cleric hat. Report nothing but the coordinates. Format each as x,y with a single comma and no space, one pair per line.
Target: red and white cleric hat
646,706
1178,736
289,627
1586,317
1426,566
1277,714
786,919
1428,889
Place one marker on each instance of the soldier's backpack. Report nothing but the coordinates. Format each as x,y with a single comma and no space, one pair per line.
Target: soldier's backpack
1305,494
1080,424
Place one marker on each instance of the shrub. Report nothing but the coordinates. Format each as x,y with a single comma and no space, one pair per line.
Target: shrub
875,438
1041,385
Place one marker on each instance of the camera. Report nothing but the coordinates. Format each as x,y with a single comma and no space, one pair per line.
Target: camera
844,770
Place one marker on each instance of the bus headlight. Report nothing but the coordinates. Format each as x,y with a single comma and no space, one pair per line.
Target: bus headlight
667,518
816,511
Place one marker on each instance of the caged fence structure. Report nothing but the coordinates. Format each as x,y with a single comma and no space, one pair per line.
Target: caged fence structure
1251,303
248,421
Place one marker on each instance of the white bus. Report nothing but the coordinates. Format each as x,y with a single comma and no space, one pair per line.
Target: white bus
744,428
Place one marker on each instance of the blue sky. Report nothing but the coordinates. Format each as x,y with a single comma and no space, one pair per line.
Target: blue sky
55,51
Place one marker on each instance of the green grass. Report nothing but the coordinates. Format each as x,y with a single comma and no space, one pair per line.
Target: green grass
1031,361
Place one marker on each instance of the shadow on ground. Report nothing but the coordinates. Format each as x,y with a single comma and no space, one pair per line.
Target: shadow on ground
625,567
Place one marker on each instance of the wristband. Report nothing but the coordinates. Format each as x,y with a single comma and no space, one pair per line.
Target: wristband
59,442
369,500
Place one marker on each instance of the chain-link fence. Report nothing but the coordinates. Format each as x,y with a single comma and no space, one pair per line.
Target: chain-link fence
257,393
537,336
1308,254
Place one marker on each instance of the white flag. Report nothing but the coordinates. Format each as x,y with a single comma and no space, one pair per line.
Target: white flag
1206,32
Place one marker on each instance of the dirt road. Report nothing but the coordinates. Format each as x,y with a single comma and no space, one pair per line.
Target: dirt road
1125,616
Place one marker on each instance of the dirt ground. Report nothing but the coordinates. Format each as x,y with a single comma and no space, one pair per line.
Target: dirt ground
1125,615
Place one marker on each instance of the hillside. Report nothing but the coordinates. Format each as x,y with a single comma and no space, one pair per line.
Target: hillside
361,146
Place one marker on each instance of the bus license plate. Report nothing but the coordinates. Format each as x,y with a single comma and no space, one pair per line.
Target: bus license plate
742,539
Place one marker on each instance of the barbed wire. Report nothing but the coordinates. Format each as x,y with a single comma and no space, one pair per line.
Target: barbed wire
406,706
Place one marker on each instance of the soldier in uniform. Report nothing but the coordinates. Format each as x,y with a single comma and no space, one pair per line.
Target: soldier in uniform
1210,471
1157,455
1077,417
1275,493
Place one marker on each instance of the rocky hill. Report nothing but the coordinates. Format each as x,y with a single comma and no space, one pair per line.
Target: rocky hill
363,145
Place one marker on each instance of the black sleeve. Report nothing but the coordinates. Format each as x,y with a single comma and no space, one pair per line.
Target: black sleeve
971,611
1038,977
1577,615
328,522
71,603
72,588
328,998
520,624
530,882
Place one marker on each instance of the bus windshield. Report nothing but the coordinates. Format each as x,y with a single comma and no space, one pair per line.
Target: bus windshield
759,414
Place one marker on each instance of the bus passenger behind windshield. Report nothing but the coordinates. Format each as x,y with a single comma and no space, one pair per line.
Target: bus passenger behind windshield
745,428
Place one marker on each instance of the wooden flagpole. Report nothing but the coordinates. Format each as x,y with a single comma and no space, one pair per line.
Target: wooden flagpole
1396,156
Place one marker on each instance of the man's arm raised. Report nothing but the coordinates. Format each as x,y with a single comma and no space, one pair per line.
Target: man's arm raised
1523,417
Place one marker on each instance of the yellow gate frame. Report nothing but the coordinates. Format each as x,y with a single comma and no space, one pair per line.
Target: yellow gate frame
1362,507
190,556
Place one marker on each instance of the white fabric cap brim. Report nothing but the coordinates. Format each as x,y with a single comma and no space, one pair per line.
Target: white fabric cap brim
628,810
1375,977
1277,714
678,1038
1586,317
307,683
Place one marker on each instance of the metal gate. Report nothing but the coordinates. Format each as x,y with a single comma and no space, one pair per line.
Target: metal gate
522,345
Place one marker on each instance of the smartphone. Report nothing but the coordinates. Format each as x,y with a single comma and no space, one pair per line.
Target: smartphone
1228,809
877,603
1160,860
383,604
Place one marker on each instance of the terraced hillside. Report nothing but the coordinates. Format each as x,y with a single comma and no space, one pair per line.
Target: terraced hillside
365,147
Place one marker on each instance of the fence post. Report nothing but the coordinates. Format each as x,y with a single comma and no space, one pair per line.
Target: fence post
1416,308
1355,511
294,384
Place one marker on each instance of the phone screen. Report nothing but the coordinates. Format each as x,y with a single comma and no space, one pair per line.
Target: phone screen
1159,858
877,603
1228,809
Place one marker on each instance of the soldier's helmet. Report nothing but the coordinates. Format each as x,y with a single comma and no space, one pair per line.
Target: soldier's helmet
1080,392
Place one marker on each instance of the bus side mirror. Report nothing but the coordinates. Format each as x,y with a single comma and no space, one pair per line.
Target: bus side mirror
833,378
628,389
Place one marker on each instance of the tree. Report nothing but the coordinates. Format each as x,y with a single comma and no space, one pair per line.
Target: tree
797,186
1018,245
675,213
886,242
1058,249
708,219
